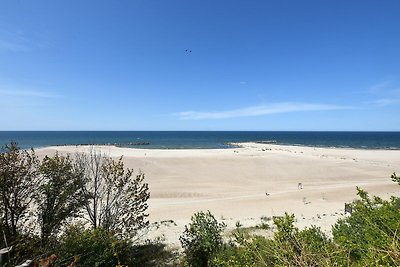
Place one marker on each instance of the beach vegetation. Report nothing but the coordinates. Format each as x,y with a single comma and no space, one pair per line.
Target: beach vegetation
90,247
19,179
367,237
264,223
42,200
100,247
238,224
371,234
395,178
289,247
202,239
115,199
59,197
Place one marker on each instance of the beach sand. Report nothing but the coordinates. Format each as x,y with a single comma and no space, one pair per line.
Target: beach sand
254,181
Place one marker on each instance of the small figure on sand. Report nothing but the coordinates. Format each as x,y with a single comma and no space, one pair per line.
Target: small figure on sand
299,186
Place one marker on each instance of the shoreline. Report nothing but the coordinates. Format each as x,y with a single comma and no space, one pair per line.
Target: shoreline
253,181
230,145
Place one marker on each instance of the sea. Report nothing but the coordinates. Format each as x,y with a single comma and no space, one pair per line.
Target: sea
200,139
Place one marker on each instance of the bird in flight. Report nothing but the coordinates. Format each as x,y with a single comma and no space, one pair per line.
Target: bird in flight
188,51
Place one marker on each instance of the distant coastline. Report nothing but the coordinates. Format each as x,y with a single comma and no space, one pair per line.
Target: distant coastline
201,139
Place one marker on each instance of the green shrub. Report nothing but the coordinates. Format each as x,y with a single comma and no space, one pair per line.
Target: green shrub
151,253
294,247
96,247
289,247
202,239
370,234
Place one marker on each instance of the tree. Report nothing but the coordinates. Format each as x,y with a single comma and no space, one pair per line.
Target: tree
18,183
202,239
114,200
60,196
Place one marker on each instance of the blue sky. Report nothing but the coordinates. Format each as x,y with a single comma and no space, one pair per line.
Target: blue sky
254,65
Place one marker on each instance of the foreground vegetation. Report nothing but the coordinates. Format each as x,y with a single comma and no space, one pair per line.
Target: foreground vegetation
87,210
83,209
368,237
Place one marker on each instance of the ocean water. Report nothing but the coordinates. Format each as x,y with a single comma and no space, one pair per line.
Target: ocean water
200,139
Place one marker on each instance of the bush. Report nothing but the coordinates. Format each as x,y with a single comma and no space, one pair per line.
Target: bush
99,247
238,254
96,247
369,237
289,247
370,234
308,247
151,253
202,239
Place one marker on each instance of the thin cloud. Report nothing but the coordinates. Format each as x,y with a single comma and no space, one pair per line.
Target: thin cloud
385,93
260,110
18,41
13,41
385,88
379,87
383,102
12,46
29,93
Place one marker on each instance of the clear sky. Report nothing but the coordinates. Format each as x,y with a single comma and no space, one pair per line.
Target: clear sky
253,65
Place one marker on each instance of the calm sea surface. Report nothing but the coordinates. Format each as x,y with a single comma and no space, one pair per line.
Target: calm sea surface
200,139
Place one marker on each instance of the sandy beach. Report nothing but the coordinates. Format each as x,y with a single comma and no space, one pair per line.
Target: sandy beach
254,181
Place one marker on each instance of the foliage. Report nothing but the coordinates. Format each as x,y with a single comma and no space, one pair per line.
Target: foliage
96,247
151,253
232,256
395,178
289,247
202,239
371,232
292,247
60,188
126,198
368,237
90,166
59,197
115,200
238,254
25,246
18,182
99,247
